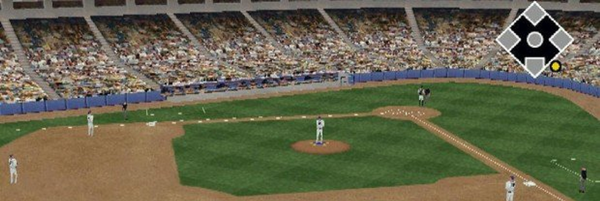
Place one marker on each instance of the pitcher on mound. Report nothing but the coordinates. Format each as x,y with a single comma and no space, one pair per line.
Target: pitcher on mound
320,126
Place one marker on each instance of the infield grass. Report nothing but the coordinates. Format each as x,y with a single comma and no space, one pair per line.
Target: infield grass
252,158
525,128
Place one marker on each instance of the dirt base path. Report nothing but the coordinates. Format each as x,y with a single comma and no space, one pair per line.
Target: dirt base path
419,115
136,162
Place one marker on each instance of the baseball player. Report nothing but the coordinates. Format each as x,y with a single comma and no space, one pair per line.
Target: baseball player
90,120
421,93
582,179
510,188
124,109
320,126
12,165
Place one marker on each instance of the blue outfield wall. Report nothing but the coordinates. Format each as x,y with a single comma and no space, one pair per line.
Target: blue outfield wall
480,74
153,96
79,103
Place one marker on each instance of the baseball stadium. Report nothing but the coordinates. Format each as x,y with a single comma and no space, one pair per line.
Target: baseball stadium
281,100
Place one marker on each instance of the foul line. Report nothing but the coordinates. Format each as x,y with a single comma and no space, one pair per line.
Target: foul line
432,126
482,155
555,162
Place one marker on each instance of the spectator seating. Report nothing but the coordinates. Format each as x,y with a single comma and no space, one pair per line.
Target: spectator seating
383,36
15,85
64,52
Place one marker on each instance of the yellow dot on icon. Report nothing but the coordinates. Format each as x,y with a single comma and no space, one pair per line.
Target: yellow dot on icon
555,66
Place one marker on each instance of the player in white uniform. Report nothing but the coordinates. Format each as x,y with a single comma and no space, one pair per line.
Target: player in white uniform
12,165
90,120
320,126
510,188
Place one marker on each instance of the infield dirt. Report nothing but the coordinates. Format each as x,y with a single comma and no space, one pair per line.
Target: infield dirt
136,162
328,147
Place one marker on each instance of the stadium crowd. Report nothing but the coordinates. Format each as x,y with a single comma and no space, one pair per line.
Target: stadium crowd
154,46
307,37
65,53
460,38
583,66
231,38
384,36
15,85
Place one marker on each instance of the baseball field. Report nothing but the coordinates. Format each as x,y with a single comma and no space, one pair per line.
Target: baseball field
541,135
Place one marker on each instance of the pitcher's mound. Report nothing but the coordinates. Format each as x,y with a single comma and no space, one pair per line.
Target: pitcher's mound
328,147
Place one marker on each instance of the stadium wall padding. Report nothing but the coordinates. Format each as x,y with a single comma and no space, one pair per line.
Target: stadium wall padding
34,107
377,76
153,96
389,75
78,103
97,101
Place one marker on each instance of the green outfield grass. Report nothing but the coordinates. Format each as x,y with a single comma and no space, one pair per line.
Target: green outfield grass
253,158
524,128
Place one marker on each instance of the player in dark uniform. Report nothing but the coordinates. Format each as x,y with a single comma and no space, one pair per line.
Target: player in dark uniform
421,93
124,109
582,180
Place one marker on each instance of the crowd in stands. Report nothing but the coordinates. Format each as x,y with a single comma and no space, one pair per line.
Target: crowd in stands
306,36
460,38
384,35
231,38
15,85
65,53
584,67
154,46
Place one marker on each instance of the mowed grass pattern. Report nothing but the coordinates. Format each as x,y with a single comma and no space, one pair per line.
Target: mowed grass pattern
254,158
528,130
525,128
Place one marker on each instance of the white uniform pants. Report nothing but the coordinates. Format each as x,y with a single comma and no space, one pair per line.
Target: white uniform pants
13,175
509,196
91,129
319,135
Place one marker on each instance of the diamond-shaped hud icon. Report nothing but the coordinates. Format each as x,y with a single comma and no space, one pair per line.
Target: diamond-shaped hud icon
534,39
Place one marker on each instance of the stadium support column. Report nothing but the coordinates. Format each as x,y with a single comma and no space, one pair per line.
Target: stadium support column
88,4
416,34
47,4
261,29
172,3
7,5
18,49
196,43
511,16
111,54
337,28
